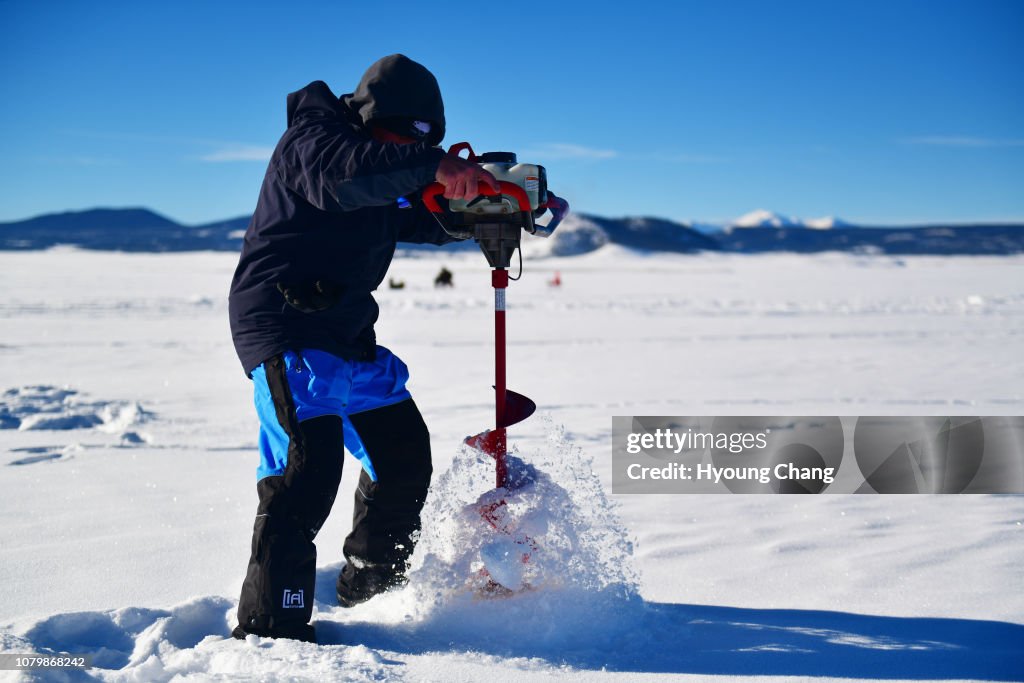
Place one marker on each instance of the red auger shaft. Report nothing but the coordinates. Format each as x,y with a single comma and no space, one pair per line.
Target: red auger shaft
499,280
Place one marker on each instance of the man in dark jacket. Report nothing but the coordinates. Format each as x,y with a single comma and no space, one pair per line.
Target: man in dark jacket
341,189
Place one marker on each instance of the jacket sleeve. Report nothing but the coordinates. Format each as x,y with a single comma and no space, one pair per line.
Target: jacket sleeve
418,226
336,169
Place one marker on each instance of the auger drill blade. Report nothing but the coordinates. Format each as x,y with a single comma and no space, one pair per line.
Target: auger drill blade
485,442
517,408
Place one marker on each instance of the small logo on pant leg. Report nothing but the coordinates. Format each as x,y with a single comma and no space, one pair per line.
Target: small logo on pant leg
293,599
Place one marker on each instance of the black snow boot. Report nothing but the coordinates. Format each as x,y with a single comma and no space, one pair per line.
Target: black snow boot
386,513
304,632
356,586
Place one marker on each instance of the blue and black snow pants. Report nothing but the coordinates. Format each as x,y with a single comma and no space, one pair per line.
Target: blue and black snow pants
311,405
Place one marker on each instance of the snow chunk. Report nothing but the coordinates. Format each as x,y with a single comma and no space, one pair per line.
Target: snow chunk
46,407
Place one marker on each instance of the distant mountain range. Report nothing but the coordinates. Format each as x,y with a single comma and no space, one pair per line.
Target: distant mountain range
122,230
768,219
138,229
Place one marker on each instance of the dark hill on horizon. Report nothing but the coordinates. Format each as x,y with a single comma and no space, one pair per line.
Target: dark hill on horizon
131,229
143,230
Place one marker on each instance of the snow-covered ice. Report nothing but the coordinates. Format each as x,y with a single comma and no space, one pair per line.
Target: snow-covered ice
128,446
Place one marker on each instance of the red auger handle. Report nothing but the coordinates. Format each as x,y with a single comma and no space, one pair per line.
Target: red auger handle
559,209
457,148
430,194
435,190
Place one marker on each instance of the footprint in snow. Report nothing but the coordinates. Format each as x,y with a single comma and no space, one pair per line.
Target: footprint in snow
38,454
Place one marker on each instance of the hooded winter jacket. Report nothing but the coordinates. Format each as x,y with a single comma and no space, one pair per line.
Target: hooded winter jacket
328,218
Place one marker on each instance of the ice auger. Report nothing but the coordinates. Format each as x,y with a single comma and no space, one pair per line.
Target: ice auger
496,221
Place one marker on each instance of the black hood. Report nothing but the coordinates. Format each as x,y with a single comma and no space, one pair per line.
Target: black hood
396,86
315,100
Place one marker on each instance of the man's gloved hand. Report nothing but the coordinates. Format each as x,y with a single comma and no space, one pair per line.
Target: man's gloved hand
462,178
310,298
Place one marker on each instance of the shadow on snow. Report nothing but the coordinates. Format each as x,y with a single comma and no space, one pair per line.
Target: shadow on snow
605,630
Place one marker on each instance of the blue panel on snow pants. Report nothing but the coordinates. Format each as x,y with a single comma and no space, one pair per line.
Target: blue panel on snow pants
324,384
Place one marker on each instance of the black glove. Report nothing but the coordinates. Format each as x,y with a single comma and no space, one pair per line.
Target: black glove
310,298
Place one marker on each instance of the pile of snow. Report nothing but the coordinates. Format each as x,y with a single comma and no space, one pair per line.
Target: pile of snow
555,513
45,407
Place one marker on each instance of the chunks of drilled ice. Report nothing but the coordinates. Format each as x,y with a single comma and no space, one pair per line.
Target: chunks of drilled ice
503,559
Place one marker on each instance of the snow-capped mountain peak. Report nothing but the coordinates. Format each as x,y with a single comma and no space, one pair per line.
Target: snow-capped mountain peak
762,218
826,223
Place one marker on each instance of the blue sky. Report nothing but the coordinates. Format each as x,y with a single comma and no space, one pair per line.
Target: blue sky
874,111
